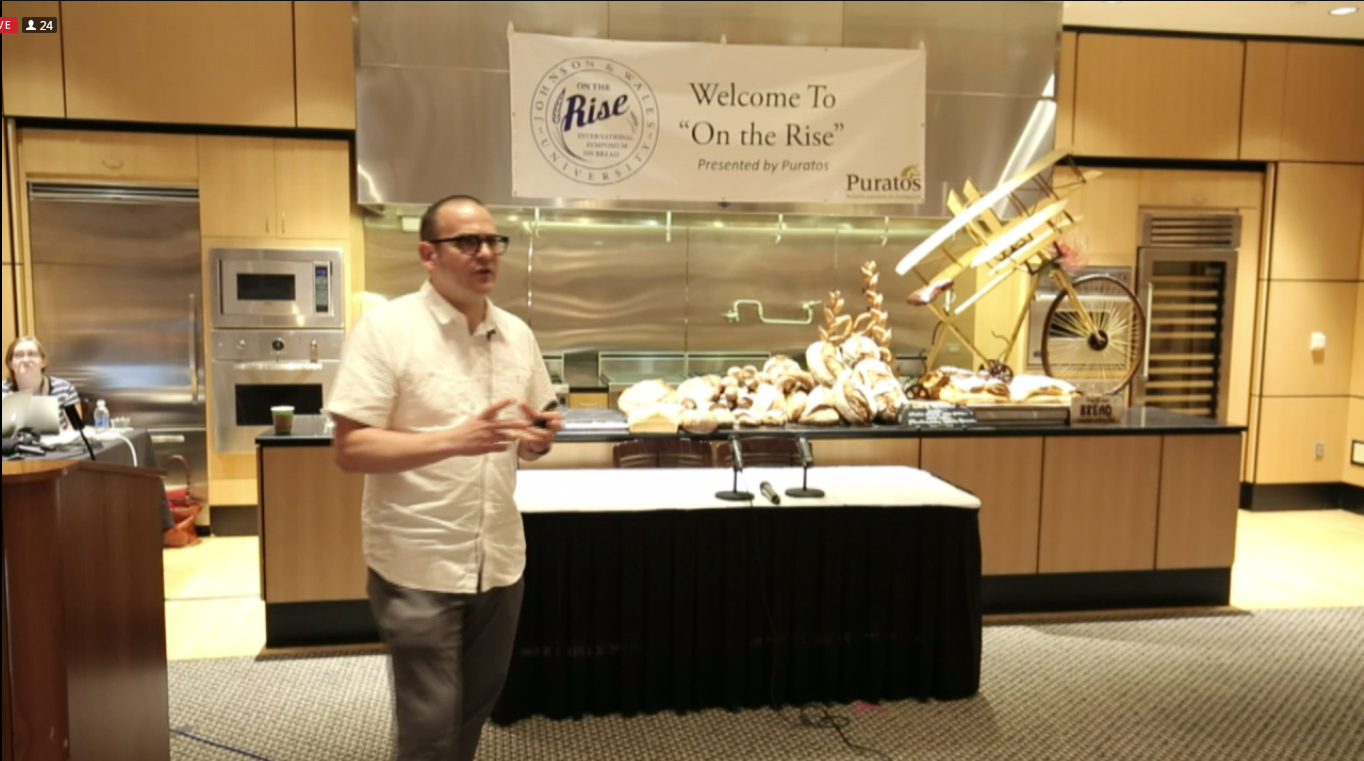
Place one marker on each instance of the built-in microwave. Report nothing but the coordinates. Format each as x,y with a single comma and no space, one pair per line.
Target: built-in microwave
277,288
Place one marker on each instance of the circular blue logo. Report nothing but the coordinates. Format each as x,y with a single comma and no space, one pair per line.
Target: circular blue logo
594,120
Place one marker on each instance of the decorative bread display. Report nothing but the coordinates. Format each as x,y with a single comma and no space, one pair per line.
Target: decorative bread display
849,378
957,386
643,393
656,418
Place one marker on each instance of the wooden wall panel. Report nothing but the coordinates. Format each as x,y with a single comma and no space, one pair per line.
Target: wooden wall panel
1290,430
1199,497
1324,103
325,64
1065,91
31,65
11,301
1243,319
1109,207
1296,310
184,62
1158,97
1006,474
1262,104
1099,503
1357,375
1318,222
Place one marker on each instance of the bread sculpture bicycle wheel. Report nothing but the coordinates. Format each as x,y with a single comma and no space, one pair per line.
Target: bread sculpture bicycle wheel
1094,332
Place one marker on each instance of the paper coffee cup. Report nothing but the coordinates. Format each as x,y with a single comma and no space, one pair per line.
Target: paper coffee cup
284,418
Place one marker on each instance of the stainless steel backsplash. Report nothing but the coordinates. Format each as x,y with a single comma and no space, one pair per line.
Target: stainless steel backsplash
433,119
640,284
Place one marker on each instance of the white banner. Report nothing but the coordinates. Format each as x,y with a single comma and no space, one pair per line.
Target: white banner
690,121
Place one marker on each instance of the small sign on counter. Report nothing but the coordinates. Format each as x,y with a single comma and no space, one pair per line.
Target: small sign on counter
1097,409
937,416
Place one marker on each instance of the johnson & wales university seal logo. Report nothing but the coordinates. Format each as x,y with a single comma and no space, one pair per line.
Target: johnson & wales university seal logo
594,120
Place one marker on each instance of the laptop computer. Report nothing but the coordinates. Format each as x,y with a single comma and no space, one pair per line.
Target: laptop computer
15,411
44,415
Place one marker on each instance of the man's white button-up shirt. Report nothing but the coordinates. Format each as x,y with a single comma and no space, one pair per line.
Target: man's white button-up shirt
413,365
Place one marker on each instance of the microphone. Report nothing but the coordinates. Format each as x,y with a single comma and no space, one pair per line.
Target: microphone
74,418
733,494
770,493
807,458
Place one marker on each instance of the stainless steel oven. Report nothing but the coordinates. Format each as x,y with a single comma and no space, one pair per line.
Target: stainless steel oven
254,370
277,288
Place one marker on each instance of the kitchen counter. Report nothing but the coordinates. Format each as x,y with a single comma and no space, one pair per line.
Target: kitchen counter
1140,513
1145,421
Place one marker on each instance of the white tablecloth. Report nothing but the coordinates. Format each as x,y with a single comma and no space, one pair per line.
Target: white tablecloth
558,491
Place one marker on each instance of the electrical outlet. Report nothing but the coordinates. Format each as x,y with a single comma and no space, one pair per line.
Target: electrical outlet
1321,449
953,347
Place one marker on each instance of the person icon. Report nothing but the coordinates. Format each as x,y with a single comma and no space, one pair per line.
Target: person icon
30,26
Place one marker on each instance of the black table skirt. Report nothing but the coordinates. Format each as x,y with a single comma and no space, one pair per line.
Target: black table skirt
640,612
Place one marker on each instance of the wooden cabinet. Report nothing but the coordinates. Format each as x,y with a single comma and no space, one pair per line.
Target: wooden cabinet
1099,504
186,62
1199,496
310,530
32,65
1289,434
1323,104
1296,311
122,156
325,65
1158,97
1181,188
274,187
1318,222
1006,474
1262,103
1303,102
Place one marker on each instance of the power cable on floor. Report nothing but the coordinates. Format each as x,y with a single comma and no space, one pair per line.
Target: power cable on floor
218,745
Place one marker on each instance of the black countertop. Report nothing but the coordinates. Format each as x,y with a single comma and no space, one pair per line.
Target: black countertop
1145,421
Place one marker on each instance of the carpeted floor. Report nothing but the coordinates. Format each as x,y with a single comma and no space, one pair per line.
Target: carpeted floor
1270,686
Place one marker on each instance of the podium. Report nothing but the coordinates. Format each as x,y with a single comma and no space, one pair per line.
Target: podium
84,637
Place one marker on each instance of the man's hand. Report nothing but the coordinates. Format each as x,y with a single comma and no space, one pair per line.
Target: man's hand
484,433
538,435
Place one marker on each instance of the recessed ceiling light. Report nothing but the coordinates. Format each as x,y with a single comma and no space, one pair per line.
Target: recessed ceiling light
1344,10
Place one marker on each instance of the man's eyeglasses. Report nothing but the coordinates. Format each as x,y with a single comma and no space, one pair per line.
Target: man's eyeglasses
470,245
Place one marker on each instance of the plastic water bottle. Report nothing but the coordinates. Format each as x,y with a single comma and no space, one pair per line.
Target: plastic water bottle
101,416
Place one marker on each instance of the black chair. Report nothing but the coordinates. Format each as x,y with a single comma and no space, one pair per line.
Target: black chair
663,453
761,451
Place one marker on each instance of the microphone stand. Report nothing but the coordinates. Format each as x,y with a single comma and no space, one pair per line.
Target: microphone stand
734,495
807,459
76,422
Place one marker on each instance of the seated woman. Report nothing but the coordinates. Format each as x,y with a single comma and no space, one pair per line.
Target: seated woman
25,370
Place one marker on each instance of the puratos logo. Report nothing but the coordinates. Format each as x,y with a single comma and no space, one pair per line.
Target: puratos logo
910,180
594,120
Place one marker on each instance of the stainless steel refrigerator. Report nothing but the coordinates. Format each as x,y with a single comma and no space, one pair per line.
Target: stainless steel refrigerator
117,290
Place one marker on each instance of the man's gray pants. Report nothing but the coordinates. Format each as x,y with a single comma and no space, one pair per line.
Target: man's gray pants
449,655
